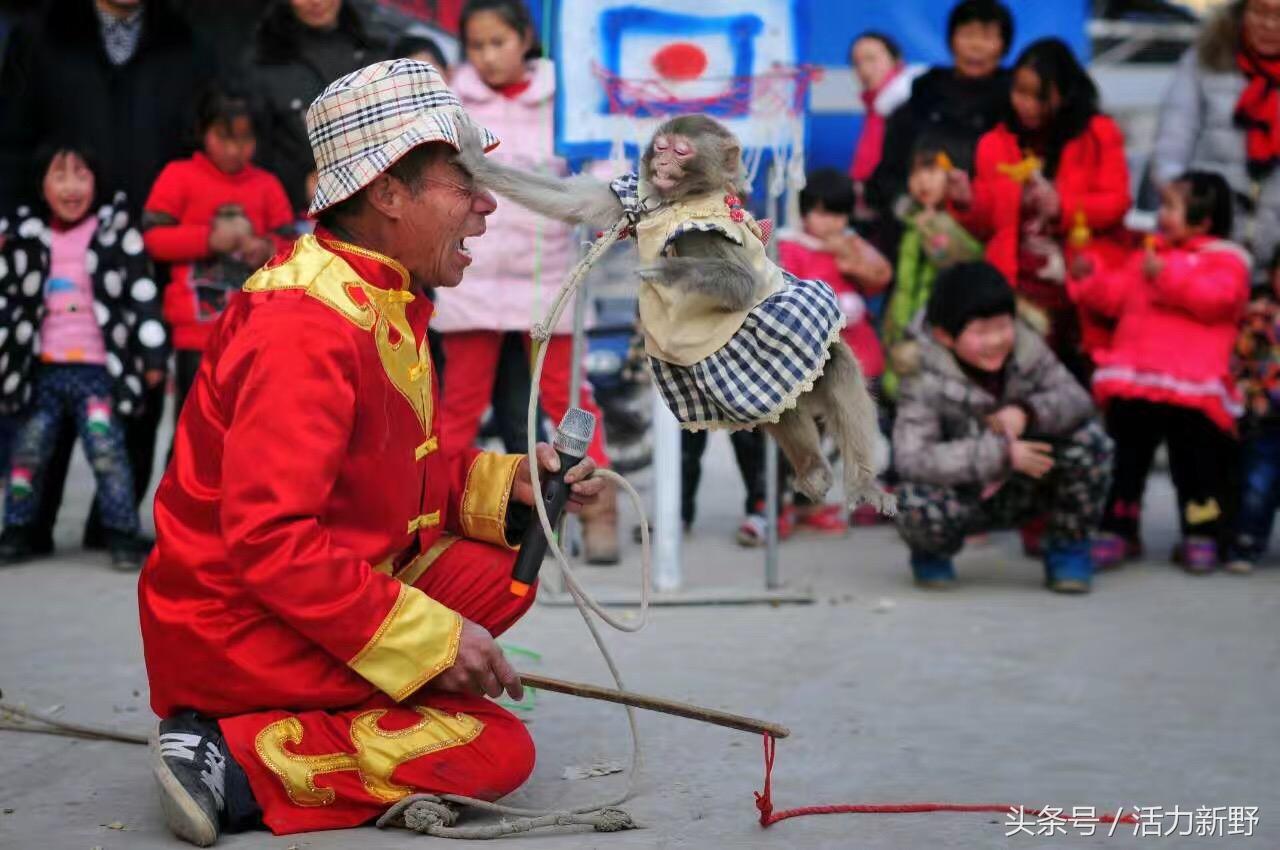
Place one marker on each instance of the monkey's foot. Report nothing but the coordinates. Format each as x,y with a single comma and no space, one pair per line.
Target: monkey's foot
816,481
870,493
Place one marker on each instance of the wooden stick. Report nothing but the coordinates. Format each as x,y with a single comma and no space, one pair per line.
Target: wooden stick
666,706
61,727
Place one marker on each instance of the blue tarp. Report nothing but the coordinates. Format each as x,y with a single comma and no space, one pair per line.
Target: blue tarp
919,26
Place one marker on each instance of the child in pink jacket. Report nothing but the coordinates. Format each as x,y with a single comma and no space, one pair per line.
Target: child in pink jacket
1166,376
524,258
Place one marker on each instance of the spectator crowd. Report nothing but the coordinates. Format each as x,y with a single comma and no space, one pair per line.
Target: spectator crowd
1031,352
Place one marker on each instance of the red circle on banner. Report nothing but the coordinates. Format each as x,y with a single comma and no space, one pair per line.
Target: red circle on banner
680,61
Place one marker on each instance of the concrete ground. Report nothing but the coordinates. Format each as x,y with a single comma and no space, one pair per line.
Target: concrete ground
1157,690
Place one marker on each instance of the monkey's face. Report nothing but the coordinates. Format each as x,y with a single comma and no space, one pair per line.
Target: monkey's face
669,160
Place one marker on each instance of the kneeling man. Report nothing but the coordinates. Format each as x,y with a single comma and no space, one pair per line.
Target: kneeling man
319,611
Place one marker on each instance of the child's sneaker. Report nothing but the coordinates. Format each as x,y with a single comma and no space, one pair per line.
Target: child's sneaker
1243,555
128,551
824,519
1111,550
752,531
189,761
1068,567
868,515
932,572
16,546
1196,555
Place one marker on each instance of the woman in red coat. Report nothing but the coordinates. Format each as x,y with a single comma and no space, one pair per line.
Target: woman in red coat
1050,178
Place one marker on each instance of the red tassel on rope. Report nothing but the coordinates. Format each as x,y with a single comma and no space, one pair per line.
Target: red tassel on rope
764,802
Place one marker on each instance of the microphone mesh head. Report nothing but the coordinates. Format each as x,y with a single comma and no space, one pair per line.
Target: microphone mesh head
575,432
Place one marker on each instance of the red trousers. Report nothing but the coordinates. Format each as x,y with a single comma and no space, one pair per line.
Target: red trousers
471,360
315,770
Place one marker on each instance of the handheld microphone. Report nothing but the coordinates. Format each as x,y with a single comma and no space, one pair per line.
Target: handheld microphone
571,442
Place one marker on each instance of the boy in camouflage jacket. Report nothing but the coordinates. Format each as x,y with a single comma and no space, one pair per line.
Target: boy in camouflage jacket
992,431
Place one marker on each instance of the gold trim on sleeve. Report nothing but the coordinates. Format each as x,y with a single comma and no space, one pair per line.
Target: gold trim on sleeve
485,497
417,641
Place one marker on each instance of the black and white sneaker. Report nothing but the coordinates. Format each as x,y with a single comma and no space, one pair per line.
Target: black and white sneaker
189,760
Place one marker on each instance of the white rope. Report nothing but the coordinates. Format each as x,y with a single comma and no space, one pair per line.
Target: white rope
581,598
430,814
542,333
436,815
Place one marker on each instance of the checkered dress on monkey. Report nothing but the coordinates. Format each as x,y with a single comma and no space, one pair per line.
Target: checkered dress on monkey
775,356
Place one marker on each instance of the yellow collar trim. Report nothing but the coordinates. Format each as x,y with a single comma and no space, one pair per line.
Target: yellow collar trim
324,275
394,265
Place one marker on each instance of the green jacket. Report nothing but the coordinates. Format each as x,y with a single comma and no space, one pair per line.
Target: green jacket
946,243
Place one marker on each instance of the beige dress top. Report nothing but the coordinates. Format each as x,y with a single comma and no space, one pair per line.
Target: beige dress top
681,326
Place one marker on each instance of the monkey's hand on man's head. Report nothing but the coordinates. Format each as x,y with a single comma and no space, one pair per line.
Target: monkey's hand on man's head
470,154
576,199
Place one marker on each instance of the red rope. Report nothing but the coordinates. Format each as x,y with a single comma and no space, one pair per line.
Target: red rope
768,817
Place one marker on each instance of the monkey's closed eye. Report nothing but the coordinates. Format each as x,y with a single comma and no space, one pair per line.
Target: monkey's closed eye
660,143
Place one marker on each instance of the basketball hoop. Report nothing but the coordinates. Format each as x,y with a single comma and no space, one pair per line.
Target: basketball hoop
773,102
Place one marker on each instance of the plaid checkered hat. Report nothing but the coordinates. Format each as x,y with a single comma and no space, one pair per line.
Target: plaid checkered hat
363,122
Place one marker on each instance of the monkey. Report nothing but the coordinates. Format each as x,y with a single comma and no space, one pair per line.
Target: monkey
713,307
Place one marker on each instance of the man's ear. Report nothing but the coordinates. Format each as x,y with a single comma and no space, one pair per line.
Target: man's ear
943,338
386,195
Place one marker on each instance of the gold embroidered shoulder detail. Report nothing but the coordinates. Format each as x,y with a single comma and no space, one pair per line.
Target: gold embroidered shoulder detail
324,275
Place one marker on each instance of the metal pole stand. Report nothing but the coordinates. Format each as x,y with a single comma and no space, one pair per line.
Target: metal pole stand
668,528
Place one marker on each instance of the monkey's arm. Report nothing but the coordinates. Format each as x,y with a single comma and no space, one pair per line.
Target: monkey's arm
577,199
708,263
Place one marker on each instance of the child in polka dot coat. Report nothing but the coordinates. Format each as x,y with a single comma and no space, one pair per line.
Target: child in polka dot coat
80,339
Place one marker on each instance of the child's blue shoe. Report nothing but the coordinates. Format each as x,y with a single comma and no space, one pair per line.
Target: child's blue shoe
1068,567
931,571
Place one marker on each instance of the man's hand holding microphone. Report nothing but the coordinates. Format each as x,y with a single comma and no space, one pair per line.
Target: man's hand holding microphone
480,666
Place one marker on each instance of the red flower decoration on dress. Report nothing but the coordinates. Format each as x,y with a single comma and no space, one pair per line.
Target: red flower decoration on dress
736,214
732,201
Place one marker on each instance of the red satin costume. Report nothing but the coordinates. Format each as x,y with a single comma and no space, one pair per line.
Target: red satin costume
316,548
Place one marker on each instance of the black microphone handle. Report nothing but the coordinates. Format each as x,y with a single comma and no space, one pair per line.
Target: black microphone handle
533,546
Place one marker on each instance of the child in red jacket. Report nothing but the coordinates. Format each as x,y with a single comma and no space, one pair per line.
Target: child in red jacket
216,218
827,250
1166,376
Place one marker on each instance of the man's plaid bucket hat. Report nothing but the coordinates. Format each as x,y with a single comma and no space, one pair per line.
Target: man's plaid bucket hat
363,122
